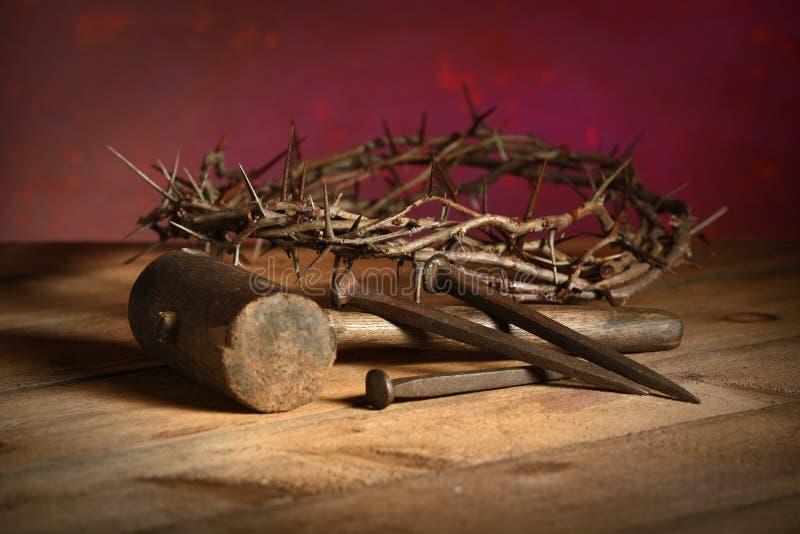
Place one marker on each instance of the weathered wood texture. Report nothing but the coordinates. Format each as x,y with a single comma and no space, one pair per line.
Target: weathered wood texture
97,436
268,350
626,329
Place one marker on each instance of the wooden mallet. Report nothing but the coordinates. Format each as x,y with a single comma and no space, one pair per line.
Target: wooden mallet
271,351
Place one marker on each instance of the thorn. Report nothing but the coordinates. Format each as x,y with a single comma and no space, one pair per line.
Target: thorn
500,147
472,113
574,187
717,214
324,252
591,179
389,139
311,201
553,256
667,196
268,165
610,298
479,120
355,226
236,262
328,226
610,179
535,193
137,230
473,202
287,171
422,126
485,195
190,231
194,184
393,178
170,180
257,249
445,179
629,151
303,178
253,192
175,166
431,178
444,213
297,156
223,142
143,176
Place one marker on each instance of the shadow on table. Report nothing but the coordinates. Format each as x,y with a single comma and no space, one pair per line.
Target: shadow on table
118,370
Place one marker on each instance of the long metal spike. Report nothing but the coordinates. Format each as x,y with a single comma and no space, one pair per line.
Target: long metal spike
440,274
381,390
430,319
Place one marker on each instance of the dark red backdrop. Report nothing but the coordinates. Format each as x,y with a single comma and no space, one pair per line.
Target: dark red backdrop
712,83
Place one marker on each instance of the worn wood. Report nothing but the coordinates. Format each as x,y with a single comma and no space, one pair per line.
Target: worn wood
627,329
231,331
95,436
240,334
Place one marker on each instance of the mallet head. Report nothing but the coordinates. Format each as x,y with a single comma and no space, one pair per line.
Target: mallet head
232,330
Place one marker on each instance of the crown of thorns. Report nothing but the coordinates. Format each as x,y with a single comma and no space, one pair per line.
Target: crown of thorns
318,204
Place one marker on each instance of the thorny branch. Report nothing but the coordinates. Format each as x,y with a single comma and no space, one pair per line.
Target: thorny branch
224,207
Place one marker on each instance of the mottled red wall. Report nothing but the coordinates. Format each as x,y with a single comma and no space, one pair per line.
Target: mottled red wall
713,84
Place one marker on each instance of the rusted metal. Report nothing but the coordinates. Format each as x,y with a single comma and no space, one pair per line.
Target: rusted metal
381,390
440,276
346,289
167,327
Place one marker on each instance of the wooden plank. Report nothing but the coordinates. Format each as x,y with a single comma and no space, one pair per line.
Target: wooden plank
150,449
279,462
695,479
63,315
69,302
299,468
751,355
139,409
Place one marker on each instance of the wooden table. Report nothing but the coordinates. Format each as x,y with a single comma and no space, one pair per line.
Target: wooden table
96,436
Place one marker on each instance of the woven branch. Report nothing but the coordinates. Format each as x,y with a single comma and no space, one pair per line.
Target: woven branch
317,204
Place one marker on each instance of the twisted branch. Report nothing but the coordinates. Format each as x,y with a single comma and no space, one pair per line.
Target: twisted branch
517,255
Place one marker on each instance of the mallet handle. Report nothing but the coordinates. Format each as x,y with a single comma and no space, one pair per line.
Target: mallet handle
625,329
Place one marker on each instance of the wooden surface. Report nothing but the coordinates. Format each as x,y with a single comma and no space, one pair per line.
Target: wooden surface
96,436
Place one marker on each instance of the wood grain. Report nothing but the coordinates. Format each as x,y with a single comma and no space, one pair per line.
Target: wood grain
95,436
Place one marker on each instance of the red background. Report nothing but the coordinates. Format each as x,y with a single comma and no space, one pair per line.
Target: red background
713,85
